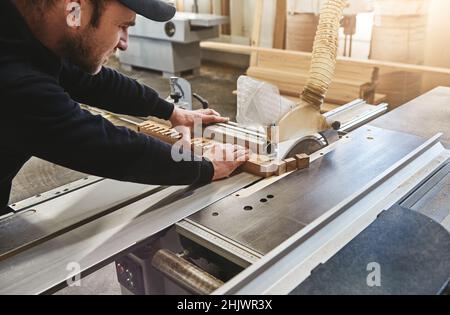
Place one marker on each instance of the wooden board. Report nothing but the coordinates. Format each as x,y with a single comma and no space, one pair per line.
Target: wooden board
225,11
399,38
290,73
258,164
292,83
301,31
180,5
279,32
256,31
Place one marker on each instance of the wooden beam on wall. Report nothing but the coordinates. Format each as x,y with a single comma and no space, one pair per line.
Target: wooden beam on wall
256,31
237,16
180,5
225,9
211,6
279,32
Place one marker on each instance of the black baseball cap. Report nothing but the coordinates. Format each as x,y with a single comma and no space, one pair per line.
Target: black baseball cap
155,10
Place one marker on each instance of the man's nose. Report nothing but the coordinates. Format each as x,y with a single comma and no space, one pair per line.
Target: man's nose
123,42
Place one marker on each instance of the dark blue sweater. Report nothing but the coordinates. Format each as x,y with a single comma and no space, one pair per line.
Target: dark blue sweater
40,116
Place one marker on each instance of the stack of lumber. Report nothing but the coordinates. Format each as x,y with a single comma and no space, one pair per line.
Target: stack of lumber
433,76
399,35
301,30
290,73
399,38
400,87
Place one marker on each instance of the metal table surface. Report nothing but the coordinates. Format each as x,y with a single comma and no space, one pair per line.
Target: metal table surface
432,198
44,267
265,219
424,116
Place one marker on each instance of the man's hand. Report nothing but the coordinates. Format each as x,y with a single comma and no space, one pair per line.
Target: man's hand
226,158
186,118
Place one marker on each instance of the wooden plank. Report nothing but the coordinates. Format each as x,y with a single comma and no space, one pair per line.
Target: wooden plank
225,47
225,11
279,33
160,131
281,168
301,76
291,164
180,5
259,165
303,161
379,98
341,91
256,31
302,63
301,28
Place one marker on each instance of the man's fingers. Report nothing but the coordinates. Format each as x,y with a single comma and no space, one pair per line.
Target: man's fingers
211,119
242,155
215,113
210,111
228,152
228,158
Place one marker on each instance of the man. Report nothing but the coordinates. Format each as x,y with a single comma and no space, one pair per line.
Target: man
51,57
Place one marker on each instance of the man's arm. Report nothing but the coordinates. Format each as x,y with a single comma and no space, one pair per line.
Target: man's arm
45,122
113,91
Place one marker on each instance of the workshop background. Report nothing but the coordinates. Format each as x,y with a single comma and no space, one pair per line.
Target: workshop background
420,26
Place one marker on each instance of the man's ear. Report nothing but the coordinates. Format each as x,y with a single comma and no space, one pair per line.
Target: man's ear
73,12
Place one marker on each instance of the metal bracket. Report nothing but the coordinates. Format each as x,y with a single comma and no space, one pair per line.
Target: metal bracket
180,93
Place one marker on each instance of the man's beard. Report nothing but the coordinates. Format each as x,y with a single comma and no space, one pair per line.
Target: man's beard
80,52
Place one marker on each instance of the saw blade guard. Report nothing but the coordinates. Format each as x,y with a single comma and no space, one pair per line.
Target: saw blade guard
259,104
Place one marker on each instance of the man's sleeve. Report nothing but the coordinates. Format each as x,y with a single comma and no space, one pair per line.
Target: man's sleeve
45,122
114,92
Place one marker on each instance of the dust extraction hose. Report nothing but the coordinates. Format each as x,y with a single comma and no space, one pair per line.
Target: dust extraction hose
324,53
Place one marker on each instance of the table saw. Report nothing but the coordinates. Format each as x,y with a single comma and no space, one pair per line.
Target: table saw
379,194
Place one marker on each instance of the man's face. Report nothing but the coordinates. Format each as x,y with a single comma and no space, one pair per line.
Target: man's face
90,47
